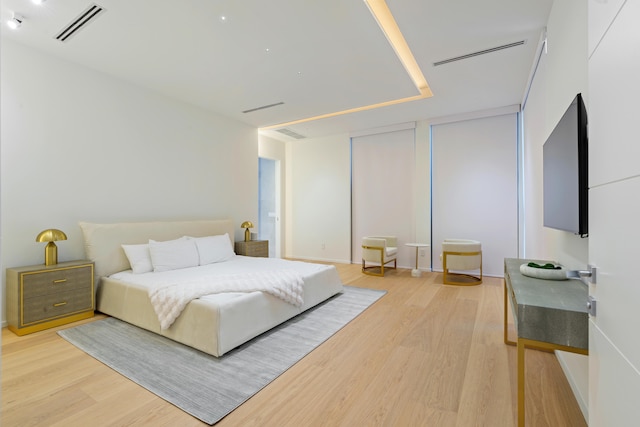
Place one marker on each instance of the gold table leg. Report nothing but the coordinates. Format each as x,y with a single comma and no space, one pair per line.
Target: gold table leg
524,343
506,326
520,383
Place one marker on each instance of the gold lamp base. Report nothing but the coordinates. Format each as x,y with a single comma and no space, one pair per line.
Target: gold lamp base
247,234
51,251
50,254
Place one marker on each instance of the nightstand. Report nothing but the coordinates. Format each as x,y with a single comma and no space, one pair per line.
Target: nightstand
43,296
259,248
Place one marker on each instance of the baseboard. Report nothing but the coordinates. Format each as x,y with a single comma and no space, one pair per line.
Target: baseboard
580,390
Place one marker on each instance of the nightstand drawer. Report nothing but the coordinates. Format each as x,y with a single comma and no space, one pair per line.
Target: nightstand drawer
255,248
55,281
44,296
47,307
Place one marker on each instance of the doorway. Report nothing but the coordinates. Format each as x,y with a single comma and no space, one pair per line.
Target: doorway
269,203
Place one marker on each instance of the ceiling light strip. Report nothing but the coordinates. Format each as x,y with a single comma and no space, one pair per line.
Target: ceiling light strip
79,23
352,110
481,52
389,27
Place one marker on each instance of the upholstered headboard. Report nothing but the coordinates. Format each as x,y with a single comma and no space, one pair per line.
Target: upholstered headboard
103,242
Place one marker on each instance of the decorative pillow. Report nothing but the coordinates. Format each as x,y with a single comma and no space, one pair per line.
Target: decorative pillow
173,254
139,258
213,249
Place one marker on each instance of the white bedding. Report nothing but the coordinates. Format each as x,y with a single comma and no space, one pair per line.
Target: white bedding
235,265
170,291
216,323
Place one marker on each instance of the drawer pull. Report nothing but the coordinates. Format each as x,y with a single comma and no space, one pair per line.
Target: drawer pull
55,282
60,304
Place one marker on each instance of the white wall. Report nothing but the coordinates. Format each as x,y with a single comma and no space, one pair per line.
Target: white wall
78,145
318,199
561,74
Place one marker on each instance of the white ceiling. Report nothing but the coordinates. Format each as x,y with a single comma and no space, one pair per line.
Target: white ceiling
323,55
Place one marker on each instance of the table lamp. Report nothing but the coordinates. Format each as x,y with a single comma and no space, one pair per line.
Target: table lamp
247,234
51,250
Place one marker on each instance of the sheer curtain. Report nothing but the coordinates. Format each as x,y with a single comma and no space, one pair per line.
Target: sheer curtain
383,169
475,187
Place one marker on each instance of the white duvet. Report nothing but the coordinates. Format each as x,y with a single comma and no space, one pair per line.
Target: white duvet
171,291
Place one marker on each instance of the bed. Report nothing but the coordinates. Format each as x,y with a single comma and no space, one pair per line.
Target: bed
215,323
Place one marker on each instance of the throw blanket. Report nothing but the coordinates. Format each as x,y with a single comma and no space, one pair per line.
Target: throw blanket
169,300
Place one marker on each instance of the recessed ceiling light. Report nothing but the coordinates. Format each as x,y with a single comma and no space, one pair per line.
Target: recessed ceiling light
15,22
38,2
223,18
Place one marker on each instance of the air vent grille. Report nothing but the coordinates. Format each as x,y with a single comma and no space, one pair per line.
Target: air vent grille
290,133
80,22
481,52
263,107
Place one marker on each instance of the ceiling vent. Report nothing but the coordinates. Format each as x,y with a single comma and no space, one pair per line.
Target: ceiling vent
481,52
80,22
290,133
263,107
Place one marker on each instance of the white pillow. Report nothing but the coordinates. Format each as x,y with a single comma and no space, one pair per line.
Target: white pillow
173,254
139,258
214,248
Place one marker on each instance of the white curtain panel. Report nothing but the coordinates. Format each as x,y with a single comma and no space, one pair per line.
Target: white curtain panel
475,193
383,171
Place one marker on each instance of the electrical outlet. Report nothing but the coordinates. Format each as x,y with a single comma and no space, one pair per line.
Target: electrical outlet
423,252
322,246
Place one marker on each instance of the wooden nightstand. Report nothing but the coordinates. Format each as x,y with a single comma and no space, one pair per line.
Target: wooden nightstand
259,248
43,296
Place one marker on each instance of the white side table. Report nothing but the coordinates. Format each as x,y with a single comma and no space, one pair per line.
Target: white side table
415,272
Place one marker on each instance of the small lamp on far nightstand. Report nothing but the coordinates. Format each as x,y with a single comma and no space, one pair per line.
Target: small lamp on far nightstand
247,234
51,250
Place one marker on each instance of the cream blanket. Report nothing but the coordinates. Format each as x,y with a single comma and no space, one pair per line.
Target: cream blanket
169,300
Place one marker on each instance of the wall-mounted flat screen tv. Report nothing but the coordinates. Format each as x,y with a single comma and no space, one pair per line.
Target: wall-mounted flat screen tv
565,172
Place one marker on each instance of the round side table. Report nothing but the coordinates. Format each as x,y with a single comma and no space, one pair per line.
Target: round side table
415,272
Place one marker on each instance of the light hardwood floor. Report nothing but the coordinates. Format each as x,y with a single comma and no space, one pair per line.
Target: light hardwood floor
425,354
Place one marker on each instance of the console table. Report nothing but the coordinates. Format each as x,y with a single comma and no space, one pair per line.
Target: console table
548,315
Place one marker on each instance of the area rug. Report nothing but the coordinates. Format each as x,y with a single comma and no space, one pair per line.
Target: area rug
205,386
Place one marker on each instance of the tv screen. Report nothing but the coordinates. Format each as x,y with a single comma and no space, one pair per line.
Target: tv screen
565,172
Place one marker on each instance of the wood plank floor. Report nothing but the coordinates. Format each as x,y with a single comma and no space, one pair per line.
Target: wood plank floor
425,354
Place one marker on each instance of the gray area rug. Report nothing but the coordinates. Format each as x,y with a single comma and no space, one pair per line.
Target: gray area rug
205,386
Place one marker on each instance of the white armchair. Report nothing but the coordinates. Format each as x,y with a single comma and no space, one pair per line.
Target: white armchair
379,250
461,255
